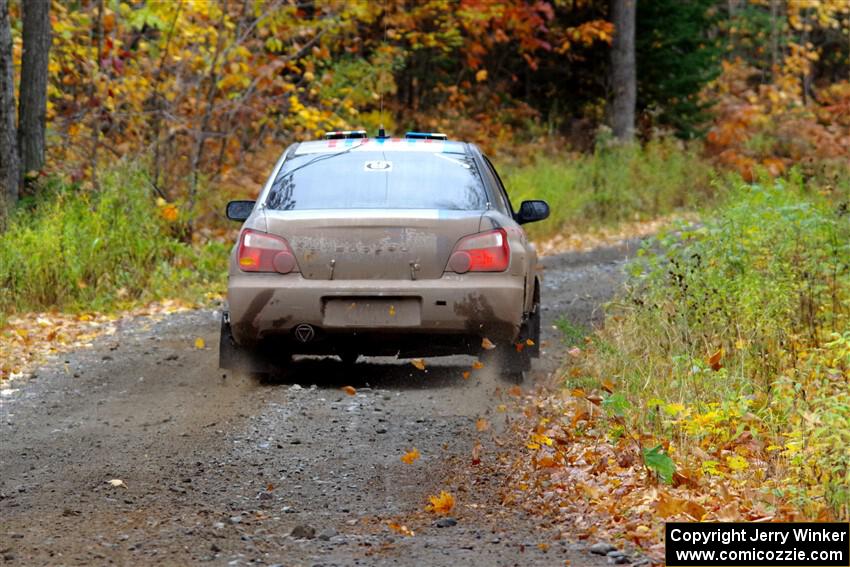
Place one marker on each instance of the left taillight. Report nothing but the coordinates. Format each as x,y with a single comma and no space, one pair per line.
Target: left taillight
262,252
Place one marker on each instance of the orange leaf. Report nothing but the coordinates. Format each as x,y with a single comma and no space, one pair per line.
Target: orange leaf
482,424
349,390
515,391
714,360
466,374
418,363
487,344
441,504
477,365
409,457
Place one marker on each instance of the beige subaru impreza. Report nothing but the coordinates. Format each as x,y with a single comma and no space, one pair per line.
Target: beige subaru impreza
382,246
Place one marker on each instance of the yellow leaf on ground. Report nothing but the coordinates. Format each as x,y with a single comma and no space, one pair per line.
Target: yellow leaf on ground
401,529
737,463
441,504
200,343
409,457
481,75
349,390
418,363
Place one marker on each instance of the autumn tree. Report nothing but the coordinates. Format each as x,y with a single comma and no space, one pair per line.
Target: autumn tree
33,89
9,165
623,69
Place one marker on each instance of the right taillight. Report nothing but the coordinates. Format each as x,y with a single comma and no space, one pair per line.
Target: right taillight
262,252
484,252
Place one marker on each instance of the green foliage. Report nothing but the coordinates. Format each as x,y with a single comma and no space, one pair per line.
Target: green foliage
616,404
80,250
614,184
676,58
739,330
571,334
655,460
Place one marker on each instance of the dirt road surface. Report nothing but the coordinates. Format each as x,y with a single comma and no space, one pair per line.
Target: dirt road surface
222,469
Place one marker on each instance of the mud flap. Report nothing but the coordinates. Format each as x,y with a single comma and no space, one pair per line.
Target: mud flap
233,357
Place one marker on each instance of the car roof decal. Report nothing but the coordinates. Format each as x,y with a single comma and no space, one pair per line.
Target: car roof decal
385,144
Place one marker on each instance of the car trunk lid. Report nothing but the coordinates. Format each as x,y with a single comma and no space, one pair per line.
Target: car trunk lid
348,244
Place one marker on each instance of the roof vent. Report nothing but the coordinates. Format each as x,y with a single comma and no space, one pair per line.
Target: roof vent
426,136
345,134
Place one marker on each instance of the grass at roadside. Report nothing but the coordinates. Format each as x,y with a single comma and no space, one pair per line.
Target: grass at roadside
73,250
723,369
613,185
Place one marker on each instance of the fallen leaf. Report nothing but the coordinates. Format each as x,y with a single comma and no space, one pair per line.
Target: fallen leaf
399,528
487,344
200,343
476,453
349,390
418,363
515,391
482,424
466,374
477,365
409,457
117,483
441,504
529,342
574,352
714,360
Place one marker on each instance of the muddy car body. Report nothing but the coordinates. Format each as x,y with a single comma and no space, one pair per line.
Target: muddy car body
384,246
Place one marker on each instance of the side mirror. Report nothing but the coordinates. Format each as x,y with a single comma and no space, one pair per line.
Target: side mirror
532,211
239,210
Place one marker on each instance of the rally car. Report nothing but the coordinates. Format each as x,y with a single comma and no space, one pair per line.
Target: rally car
382,246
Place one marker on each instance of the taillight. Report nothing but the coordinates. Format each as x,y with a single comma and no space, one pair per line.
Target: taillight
261,252
484,252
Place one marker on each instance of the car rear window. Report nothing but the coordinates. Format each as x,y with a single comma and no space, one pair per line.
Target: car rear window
378,180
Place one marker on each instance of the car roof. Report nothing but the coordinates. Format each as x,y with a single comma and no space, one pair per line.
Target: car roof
381,144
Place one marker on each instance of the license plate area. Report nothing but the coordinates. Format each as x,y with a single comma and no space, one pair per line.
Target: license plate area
372,312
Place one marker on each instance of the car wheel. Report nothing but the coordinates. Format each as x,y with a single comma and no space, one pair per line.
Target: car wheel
232,356
510,363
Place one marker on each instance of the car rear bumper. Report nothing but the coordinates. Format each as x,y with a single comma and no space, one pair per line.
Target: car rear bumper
264,306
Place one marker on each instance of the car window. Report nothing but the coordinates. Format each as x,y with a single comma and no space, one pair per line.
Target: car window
378,180
502,192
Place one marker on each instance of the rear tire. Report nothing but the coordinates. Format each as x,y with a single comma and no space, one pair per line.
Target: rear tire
510,363
235,357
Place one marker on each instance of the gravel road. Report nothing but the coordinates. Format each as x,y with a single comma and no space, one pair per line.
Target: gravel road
222,469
